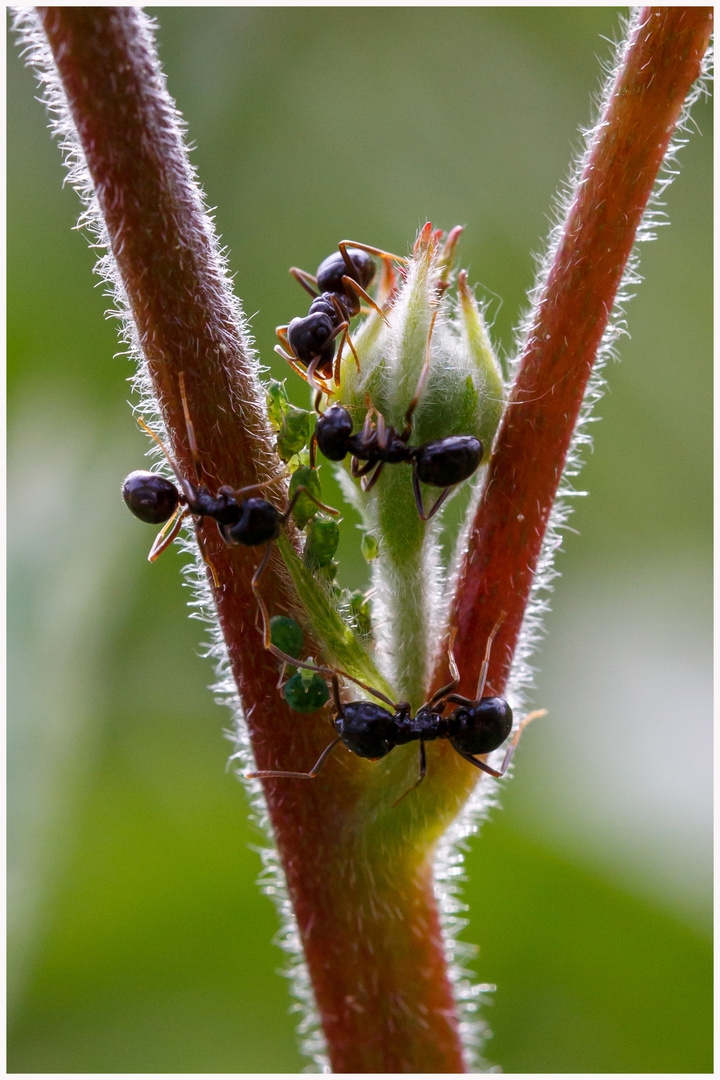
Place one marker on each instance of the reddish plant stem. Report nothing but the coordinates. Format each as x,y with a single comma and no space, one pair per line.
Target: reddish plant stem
371,932
662,59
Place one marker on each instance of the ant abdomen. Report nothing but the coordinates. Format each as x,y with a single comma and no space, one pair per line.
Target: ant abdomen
331,271
449,461
151,497
479,728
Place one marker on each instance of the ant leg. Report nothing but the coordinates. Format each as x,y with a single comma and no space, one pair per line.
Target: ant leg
486,660
281,677
246,492
190,429
291,359
371,411
294,362
336,698
269,773
386,288
455,681
346,337
420,385
356,471
164,538
310,378
267,640
418,496
300,663
374,478
479,764
281,334
351,283
419,499
206,560
260,602
458,699
343,328
286,356
381,431
308,282
302,490
334,674
286,658
423,770
510,750
382,443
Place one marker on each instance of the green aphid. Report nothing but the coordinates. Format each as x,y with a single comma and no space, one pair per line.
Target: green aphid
369,547
323,537
277,402
305,509
306,694
328,573
295,432
360,612
286,635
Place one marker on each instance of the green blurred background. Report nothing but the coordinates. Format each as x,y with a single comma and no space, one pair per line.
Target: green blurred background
138,939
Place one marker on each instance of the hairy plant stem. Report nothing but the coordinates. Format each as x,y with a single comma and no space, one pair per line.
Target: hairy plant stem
571,308
359,872
371,936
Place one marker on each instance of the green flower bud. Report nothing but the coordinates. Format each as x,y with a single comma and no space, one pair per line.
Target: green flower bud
435,349
429,371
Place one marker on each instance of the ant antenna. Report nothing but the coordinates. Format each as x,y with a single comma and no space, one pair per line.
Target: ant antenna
486,662
498,773
189,428
444,691
158,440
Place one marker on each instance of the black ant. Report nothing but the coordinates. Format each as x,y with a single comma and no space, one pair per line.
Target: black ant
338,289
440,463
241,517
478,726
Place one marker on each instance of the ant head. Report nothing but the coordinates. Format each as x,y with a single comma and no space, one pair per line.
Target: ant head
332,431
150,497
481,727
366,729
259,522
332,270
